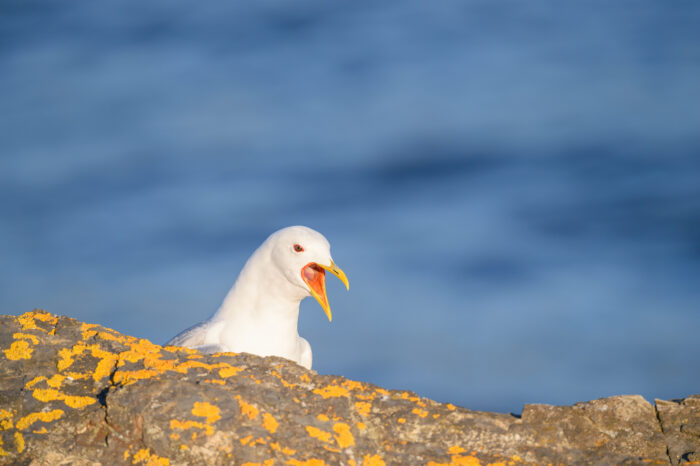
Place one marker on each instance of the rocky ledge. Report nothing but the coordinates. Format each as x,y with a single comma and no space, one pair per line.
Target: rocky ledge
78,393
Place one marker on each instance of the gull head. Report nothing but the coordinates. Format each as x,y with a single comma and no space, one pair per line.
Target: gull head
303,256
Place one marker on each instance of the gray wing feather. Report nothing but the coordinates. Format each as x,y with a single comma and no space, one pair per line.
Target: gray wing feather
192,337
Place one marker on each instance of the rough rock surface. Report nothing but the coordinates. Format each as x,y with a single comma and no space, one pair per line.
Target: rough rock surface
77,393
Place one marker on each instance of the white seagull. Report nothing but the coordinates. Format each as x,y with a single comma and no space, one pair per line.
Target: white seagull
260,313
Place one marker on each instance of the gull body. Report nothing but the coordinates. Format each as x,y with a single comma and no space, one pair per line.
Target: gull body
260,313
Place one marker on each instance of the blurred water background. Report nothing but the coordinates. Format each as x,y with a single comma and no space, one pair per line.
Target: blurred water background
513,188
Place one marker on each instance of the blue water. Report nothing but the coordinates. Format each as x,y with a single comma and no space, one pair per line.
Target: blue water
513,188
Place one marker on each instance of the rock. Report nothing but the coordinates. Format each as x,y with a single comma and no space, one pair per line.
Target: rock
77,393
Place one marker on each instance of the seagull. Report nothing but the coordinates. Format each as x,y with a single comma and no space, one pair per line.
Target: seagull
259,314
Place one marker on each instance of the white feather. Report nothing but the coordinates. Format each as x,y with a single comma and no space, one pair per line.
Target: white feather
259,315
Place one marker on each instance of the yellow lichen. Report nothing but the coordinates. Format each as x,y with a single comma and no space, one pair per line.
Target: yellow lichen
343,435
229,371
30,419
420,412
284,450
450,406
34,381
49,394
247,409
309,462
354,385
26,336
40,431
2,450
318,434
401,420
151,459
19,349
19,442
6,419
184,425
270,423
44,316
105,366
363,407
26,320
361,426
305,378
129,377
216,381
456,450
331,391
56,380
373,460
206,410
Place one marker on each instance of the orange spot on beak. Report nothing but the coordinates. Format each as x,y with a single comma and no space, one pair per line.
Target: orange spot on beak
315,277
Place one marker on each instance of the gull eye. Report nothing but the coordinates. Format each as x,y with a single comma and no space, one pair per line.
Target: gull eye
298,248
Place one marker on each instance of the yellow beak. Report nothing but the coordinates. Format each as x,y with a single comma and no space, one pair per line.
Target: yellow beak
314,276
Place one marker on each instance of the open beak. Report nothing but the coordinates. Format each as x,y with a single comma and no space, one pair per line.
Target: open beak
315,276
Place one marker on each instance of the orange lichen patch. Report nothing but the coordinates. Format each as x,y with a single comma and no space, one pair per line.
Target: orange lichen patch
245,440
56,380
19,442
363,407
373,460
459,460
305,378
105,366
30,419
353,385
310,462
343,435
331,391
318,434
138,350
2,451
322,417
334,450
284,382
420,412
229,371
401,420
456,450
5,419
40,431
270,423
284,450
206,410
181,349
19,349
26,336
34,381
361,425
435,416
49,394
184,425
144,455
129,377
216,381
247,409
27,322
269,462
450,406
